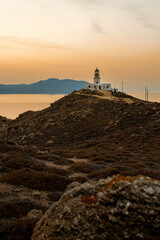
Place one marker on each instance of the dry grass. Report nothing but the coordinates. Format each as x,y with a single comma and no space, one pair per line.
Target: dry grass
103,173
17,209
91,92
54,196
78,179
17,230
4,147
18,161
36,180
82,167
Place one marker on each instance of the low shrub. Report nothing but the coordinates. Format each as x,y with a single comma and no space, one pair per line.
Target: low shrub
61,161
146,172
82,167
36,180
7,147
16,209
79,179
54,196
58,171
18,162
18,229
103,173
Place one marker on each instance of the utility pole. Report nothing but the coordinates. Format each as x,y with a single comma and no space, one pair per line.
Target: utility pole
146,94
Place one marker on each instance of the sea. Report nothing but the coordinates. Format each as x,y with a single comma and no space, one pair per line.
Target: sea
11,105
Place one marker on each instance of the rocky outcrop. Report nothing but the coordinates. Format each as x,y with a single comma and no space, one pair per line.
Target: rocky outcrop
112,208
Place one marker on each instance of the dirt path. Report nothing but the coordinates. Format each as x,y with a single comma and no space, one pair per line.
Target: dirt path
64,167
53,165
108,95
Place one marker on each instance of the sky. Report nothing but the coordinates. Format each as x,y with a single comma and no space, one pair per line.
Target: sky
41,39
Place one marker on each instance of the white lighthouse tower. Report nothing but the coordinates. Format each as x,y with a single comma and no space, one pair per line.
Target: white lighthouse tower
96,77
97,85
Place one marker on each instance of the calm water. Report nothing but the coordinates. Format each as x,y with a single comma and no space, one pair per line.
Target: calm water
11,105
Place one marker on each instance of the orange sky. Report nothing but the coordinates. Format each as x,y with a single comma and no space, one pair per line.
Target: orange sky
41,39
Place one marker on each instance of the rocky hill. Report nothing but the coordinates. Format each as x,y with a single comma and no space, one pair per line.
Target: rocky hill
82,137
121,133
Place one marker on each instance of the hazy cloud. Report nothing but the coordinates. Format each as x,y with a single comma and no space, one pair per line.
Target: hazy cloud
42,3
142,17
135,7
7,37
30,43
88,3
97,28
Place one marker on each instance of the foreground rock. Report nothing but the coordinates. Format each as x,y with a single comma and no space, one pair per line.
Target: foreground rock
112,208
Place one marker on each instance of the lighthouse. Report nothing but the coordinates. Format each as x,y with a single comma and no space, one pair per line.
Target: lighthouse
97,85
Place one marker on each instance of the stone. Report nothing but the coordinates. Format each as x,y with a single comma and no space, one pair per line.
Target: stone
18,190
104,209
37,214
149,190
73,185
36,194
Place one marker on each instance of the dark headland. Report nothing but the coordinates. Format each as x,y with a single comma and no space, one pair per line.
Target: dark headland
82,138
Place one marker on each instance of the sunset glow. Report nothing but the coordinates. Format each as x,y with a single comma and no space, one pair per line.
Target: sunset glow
41,39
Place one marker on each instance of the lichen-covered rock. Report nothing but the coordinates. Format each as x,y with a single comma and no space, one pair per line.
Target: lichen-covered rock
113,208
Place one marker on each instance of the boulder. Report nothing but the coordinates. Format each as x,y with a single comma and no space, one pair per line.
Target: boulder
113,208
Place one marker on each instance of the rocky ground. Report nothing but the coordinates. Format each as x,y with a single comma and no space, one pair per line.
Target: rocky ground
84,136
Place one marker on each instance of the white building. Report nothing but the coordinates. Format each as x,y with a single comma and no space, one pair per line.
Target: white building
97,85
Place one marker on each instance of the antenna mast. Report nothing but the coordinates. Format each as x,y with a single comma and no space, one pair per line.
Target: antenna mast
146,94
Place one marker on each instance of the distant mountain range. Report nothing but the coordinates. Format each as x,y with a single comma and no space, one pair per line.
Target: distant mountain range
50,86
